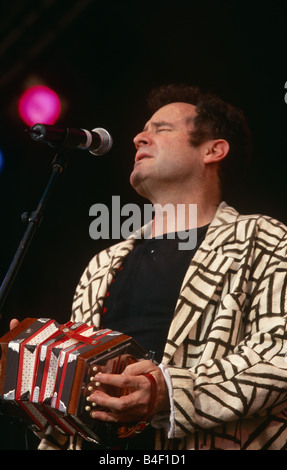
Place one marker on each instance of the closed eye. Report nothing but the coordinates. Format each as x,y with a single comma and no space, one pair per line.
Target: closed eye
163,129
159,126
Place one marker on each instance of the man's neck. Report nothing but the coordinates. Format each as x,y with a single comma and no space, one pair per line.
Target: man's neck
170,217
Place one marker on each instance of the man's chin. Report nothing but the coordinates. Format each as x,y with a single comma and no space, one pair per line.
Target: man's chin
137,182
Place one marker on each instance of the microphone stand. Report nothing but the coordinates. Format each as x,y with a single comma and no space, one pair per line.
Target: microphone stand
34,219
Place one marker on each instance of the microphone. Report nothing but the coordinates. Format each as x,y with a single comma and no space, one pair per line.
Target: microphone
98,141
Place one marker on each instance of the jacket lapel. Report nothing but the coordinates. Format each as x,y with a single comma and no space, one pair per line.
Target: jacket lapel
204,275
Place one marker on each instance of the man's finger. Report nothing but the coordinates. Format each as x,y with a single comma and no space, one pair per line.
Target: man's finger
13,323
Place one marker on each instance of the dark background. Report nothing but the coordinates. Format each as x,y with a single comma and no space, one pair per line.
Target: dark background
102,58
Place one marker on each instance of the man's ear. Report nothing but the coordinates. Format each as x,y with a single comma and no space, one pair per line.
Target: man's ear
215,151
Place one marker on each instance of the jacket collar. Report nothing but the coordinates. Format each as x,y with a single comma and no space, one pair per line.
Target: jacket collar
205,273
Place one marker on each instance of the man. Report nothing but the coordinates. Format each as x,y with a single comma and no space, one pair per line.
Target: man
215,314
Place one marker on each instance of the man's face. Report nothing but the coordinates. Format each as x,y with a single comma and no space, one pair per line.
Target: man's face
164,156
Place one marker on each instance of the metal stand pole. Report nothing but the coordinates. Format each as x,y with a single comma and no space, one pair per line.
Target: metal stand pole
34,220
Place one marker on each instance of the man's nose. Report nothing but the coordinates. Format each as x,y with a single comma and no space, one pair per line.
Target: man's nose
141,139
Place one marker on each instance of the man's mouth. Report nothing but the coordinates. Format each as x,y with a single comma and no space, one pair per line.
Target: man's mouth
142,156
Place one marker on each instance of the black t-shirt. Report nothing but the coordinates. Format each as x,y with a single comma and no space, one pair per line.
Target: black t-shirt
143,295
141,301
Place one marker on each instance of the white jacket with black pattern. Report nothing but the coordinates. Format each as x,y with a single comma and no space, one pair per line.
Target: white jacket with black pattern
227,343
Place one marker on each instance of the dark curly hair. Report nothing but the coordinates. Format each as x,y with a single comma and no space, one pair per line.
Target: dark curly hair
215,119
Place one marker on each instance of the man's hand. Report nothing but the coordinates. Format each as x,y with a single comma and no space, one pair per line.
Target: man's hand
134,406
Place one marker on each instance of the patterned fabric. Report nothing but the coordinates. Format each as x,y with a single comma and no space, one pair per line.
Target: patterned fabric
226,345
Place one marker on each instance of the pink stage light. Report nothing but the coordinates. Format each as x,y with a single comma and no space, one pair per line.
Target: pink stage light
39,104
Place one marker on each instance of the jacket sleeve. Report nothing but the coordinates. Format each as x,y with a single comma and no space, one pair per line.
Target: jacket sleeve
250,381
